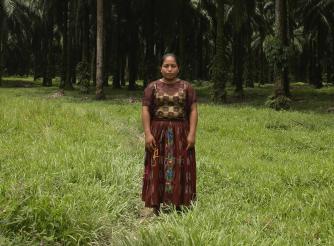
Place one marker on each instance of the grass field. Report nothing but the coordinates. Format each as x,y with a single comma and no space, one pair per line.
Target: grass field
71,171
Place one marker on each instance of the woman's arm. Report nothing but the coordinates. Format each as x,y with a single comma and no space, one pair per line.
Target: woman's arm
193,118
146,119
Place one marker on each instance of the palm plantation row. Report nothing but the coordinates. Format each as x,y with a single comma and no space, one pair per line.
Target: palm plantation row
241,42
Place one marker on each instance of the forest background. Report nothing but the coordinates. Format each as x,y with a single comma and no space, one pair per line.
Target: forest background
72,75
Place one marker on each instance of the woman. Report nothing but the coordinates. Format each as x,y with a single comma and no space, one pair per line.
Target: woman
169,116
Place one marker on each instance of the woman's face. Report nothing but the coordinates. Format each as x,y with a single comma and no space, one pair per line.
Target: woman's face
169,68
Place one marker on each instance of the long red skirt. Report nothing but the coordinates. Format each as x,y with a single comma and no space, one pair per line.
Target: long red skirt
170,170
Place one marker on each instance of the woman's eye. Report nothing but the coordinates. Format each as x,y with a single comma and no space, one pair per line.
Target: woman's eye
167,66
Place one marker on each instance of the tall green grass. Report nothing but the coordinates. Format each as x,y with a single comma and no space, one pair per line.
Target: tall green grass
71,171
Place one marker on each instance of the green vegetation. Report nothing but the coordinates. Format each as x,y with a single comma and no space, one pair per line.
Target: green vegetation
71,170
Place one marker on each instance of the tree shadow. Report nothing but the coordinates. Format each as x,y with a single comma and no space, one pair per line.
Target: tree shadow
304,97
18,83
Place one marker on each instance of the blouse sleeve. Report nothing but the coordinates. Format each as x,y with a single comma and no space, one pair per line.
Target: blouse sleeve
147,99
191,95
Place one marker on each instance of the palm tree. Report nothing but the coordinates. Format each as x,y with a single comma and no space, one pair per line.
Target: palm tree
2,15
47,26
133,44
67,47
318,20
99,50
218,67
13,14
119,20
47,19
263,28
239,16
149,19
281,73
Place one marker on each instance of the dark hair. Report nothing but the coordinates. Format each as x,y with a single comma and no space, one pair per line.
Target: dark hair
163,58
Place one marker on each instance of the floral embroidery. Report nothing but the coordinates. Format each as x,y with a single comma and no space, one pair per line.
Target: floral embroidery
170,106
169,161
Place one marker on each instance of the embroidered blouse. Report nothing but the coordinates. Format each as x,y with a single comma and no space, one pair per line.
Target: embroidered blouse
169,101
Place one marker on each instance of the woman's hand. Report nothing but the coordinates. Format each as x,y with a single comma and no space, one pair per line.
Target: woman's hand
150,142
192,127
190,141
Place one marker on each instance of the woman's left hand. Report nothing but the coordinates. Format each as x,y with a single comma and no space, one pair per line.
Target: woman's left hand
190,141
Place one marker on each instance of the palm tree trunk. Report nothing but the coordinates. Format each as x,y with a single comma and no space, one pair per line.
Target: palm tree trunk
132,55
208,53
92,54
262,66
331,64
63,55
281,75
93,65
123,70
117,65
199,59
48,38
219,74
302,65
75,40
132,72
99,50
65,82
106,57
184,73
150,66
249,79
49,67
262,56
107,39
36,53
311,62
68,47
318,55
238,63
85,34
1,47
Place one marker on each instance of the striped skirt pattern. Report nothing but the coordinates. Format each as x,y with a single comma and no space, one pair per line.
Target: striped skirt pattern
170,170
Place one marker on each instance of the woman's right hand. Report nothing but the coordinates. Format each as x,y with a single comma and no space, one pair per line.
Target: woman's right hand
150,142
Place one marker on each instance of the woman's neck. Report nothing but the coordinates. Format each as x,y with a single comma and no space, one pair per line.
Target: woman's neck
170,81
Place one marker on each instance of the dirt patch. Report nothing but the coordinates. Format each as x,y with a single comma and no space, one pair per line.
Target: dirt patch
57,94
330,110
